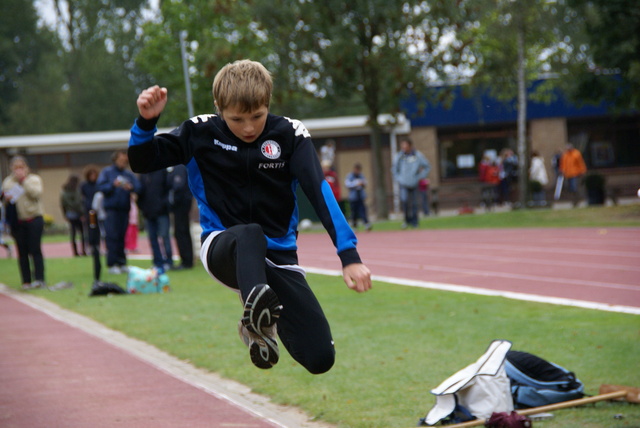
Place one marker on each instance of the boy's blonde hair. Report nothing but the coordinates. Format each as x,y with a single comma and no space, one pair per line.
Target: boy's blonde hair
244,84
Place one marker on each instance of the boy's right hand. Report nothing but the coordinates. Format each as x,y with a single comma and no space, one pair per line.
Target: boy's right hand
151,102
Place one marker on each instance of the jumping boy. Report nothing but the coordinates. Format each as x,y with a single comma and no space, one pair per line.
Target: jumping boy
244,166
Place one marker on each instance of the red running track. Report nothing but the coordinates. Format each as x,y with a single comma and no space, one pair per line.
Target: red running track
586,264
600,265
55,375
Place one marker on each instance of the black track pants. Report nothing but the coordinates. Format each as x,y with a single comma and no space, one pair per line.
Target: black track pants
237,258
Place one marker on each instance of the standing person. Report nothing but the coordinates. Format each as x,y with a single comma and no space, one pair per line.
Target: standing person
328,152
73,211
88,189
423,188
23,190
244,166
356,183
3,226
97,205
153,201
572,167
538,178
180,202
116,183
488,174
555,163
131,237
508,173
332,178
409,167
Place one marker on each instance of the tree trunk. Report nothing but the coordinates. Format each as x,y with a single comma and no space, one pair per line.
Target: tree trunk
522,122
379,170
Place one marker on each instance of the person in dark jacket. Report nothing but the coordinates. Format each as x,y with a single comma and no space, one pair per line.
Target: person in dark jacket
88,189
153,201
116,183
73,210
357,184
244,167
180,202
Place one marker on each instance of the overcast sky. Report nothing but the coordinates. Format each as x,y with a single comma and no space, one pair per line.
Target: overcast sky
46,10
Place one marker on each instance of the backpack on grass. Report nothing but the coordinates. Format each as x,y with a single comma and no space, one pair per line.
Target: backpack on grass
475,392
536,382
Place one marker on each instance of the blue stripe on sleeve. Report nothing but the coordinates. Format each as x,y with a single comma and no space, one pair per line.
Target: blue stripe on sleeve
345,238
139,136
209,220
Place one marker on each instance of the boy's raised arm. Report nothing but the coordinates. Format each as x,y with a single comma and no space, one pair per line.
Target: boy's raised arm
152,101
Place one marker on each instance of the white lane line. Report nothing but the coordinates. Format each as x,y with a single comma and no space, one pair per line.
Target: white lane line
506,259
489,292
529,248
489,273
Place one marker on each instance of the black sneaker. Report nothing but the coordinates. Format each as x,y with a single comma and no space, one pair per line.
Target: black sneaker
263,349
261,311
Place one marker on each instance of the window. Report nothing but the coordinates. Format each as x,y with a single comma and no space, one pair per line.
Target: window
53,160
607,142
462,150
83,159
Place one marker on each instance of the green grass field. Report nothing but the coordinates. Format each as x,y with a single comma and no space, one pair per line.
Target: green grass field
393,344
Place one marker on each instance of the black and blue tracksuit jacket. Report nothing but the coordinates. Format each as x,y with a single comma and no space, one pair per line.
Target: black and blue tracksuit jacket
235,182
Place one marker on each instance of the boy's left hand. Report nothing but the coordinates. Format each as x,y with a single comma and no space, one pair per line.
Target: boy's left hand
357,277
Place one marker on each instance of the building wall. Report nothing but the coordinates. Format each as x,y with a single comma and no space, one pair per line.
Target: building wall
53,179
425,139
548,136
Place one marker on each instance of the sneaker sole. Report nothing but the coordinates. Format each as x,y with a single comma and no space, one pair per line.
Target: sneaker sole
262,310
264,353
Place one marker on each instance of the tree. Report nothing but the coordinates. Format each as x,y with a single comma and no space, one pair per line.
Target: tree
26,68
328,57
75,76
376,51
516,43
99,42
614,48
217,33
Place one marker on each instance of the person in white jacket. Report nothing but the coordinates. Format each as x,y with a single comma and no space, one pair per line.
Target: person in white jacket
23,192
538,178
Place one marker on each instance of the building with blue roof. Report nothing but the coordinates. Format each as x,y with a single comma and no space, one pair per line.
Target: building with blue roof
456,138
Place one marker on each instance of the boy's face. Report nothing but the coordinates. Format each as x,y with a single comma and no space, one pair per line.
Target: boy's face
246,126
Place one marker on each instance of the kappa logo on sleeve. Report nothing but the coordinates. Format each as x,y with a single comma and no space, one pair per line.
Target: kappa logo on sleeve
299,127
270,149
202,118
